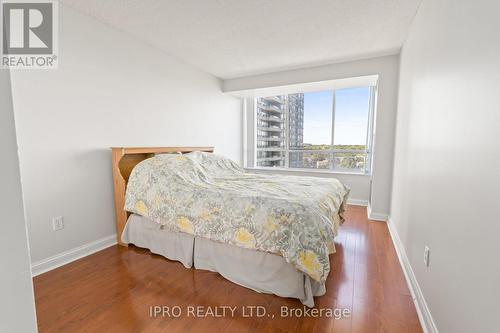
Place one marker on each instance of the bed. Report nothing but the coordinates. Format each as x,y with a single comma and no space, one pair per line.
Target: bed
272,234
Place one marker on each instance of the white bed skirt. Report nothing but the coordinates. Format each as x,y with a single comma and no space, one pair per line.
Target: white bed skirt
261,271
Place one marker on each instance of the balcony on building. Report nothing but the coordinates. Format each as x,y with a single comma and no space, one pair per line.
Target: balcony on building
270,108
274,99
270,118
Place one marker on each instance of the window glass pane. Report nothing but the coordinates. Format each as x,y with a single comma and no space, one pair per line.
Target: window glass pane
295,130
310,128
307,159
351,161
318,119
351,117
352,106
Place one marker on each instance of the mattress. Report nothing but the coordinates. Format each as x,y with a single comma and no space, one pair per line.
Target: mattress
260,271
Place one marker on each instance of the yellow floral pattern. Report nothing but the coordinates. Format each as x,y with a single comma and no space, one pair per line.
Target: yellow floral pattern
210,196
179,157
309,261
245,238
205,215
185,225
271,224
141,208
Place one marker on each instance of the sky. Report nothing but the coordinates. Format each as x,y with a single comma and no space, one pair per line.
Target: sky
351,116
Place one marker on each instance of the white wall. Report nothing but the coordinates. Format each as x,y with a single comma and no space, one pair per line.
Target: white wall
446,190
387,69
109,90
17,307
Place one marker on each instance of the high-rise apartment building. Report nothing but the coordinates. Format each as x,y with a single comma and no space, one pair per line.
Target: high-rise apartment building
277,118
271,131
295,128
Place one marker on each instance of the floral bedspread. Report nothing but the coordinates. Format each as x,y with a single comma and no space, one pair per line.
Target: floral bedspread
210,196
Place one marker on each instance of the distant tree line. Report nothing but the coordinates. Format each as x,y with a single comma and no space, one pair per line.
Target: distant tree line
348,160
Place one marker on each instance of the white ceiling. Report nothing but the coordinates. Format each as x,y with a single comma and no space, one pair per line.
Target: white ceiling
232,38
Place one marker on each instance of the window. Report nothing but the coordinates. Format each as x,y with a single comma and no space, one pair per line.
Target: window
325,130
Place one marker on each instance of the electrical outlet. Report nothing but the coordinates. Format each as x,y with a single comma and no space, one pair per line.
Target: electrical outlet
57,223
426,255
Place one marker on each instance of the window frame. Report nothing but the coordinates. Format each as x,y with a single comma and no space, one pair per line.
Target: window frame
368,152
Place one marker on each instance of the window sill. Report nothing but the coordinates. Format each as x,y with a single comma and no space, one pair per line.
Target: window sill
307,171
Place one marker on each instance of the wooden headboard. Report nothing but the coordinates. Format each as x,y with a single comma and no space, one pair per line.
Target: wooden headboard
124,161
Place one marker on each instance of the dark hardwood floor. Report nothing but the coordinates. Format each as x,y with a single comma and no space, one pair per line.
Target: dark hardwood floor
113,290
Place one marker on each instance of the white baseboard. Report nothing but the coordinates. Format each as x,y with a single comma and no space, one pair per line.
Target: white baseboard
66,257
357,202
424,315
376,216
